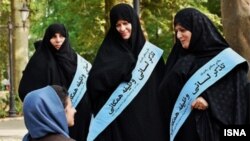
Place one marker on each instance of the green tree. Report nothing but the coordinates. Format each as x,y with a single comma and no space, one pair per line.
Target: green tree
4,15
82,18
88,21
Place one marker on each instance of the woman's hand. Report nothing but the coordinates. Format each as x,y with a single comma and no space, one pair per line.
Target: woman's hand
200,103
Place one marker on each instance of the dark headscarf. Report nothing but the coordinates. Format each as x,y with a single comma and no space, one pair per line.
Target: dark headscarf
126,12
205,40
113,65
49,66
225,107
38,44
205,37
116,57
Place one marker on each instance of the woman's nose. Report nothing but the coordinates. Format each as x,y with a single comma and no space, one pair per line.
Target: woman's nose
178,35
58,39
122,27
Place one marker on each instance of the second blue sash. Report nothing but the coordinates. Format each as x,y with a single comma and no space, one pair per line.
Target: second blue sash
77,87
126,92
203,78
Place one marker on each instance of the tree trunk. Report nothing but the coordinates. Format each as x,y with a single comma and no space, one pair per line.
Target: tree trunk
20,42
236,23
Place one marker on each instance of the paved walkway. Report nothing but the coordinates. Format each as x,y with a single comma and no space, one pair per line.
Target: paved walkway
12,129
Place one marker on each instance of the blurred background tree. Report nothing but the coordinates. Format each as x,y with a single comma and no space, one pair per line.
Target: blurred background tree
236,22
88,21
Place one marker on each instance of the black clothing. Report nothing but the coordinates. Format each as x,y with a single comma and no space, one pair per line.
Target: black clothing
80,129
115,60
226,98
49,66
38,44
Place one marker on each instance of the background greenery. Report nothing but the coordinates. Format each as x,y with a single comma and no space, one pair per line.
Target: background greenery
87,22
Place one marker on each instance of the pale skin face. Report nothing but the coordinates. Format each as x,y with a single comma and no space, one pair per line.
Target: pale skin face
124,28
183,35
57,40
70,113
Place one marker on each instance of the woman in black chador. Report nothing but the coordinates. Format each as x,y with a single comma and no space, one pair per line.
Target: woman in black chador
54,63
224,102
115,60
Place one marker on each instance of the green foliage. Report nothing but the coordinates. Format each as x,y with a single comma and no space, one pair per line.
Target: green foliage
82,19
85,21
213,6
18,105
4,15
4,105
203,7
158,17
4,5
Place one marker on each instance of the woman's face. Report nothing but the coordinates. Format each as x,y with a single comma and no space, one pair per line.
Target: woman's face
183,35
57,40
124,28
70,113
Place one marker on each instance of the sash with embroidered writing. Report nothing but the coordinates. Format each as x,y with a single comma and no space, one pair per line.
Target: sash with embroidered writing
126,92
77,87
203,78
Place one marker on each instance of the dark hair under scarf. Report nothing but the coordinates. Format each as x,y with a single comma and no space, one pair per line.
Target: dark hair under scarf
62,93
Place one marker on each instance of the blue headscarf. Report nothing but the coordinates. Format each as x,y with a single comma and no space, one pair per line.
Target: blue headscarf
44,113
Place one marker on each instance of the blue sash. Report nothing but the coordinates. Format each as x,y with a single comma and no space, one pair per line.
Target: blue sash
203,78
78,85
126,92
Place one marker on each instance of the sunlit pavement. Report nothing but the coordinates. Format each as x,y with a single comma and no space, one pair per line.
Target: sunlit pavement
12,129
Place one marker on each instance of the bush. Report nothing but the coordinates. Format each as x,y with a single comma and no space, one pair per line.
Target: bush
4,105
